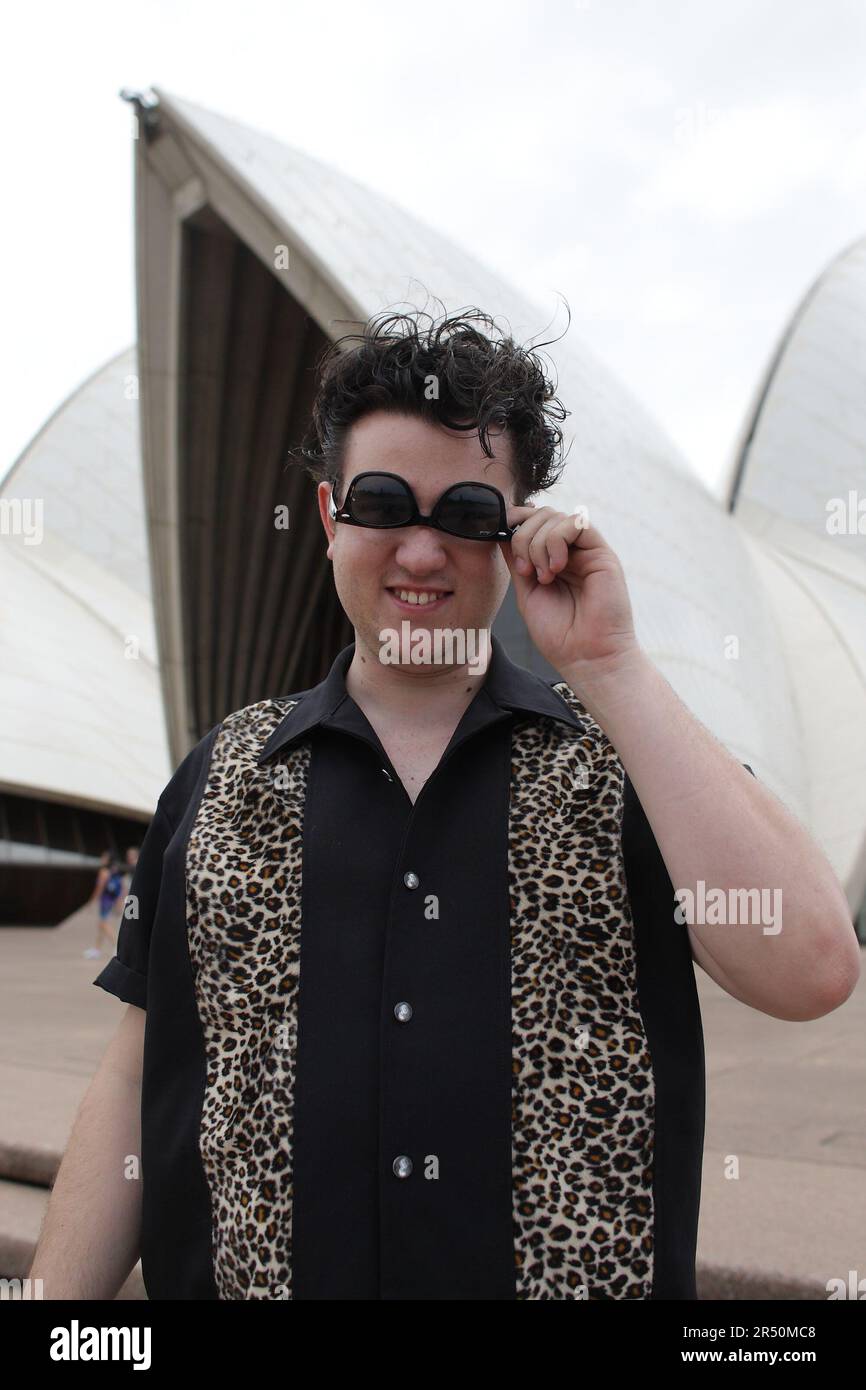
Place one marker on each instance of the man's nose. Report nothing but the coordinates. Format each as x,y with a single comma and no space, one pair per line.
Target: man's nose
421,548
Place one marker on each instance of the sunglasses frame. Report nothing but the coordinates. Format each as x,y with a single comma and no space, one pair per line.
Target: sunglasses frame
343,514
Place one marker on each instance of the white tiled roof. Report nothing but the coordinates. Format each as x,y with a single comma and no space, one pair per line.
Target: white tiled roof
804,458
81,719
809,430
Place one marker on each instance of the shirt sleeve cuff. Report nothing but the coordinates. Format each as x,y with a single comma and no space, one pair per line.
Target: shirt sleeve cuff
128,985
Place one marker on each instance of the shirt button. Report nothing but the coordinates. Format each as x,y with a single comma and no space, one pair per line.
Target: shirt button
402,1012
402,1166
411,880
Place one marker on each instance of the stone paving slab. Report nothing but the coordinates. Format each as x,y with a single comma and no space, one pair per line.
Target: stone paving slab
787,1101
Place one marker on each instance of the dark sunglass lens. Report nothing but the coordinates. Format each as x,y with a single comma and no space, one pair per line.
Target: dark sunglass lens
380,501
471,511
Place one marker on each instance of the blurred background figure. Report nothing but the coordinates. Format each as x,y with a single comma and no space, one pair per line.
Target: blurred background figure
107,893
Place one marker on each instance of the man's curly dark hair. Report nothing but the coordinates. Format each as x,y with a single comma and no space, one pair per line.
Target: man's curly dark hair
483,379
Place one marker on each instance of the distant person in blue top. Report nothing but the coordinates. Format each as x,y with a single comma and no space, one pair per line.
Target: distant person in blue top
108,891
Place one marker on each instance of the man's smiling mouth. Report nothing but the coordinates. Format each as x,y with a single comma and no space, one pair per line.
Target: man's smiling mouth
419,598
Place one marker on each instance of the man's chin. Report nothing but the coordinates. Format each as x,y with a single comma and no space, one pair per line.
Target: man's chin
415,645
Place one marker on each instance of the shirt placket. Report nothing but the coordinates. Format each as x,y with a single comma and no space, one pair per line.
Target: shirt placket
444,1093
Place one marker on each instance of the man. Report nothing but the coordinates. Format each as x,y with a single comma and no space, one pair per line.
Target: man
421,1015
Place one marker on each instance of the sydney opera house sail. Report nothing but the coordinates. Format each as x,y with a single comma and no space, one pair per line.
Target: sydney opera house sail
799,492
83,748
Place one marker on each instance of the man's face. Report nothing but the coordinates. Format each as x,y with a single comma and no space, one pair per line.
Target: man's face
372,567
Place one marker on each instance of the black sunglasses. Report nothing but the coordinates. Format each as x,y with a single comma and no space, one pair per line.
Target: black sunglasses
472,511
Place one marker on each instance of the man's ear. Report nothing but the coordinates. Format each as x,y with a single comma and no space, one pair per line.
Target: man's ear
323,492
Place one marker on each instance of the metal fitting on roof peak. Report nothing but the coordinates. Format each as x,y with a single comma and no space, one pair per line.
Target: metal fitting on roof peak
146,105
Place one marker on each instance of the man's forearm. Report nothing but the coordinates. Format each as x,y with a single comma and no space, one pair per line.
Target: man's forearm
90,1236
715,823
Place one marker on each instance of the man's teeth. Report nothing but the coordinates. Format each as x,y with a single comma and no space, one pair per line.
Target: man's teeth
418,596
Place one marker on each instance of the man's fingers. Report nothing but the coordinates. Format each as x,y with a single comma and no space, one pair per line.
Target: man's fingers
544,536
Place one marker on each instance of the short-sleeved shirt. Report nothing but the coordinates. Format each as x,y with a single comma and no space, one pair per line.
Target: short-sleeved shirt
449,1049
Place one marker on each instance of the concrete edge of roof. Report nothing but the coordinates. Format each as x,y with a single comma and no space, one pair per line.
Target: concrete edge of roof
169,106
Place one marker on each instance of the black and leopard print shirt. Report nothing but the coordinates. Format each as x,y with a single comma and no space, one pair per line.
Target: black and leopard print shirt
443,1050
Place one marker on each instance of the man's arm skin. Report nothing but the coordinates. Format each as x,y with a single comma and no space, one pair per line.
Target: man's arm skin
90,1235
713,821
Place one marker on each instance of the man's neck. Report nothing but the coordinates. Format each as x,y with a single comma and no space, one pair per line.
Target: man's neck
432,696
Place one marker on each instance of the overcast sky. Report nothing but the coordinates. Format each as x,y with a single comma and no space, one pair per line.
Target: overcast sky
680,172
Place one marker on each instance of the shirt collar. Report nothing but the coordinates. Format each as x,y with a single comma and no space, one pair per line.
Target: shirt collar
509,686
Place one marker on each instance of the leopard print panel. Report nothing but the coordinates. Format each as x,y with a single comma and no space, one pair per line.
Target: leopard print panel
243,924
582,1087
582,1079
